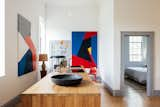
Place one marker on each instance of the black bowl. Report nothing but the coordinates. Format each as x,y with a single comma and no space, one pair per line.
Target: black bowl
67,79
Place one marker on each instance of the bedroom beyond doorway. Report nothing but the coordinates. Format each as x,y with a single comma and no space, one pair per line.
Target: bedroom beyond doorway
136,62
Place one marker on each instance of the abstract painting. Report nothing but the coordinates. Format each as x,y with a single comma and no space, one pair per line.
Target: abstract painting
84,49
26,48
60,48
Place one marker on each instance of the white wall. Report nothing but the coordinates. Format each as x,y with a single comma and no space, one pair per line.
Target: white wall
62,20
137,15
11,84
114,16
106,42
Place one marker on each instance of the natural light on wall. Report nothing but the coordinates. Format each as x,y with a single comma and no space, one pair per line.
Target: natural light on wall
2,38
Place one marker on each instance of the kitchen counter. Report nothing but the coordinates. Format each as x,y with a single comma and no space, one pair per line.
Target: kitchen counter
47,94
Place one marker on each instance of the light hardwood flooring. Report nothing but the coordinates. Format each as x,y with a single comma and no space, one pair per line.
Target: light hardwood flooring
132,87
135,96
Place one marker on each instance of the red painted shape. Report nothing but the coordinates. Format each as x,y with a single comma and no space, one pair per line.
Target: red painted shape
29,42
77,61
92,59
93,70
89,35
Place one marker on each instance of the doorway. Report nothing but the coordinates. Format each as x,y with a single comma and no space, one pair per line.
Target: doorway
136,61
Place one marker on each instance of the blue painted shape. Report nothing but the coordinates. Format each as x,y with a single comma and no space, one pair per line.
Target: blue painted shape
77,39
94,48
25,65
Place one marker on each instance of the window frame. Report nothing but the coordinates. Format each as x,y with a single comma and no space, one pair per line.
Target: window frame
2,38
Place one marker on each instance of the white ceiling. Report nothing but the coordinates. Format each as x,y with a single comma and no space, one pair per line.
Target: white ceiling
72,2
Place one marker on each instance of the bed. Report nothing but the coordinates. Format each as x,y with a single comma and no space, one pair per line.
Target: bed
138,74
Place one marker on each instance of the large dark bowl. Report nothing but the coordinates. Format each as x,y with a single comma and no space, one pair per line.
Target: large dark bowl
67,79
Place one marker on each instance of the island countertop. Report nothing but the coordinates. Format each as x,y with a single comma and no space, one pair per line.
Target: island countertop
46,86
47,94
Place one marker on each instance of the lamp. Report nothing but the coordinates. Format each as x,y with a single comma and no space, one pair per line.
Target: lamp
43,58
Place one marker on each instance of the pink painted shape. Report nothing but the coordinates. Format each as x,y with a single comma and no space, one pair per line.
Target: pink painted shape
29,42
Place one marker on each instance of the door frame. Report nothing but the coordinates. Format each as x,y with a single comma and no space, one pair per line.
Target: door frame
150,59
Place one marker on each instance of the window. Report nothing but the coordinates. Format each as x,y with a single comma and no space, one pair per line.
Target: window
42,41
2,37
136,48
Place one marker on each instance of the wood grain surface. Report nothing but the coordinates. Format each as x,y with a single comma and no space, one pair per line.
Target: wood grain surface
47,94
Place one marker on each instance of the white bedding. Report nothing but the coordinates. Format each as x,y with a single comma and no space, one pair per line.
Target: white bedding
138,74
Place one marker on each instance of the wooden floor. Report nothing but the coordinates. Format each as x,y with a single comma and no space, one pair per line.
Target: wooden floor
133,98
134,87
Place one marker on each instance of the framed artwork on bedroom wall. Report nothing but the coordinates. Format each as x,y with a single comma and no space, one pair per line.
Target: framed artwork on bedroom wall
84,49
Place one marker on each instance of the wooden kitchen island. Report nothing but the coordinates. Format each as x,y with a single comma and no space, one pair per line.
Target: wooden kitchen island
46,94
